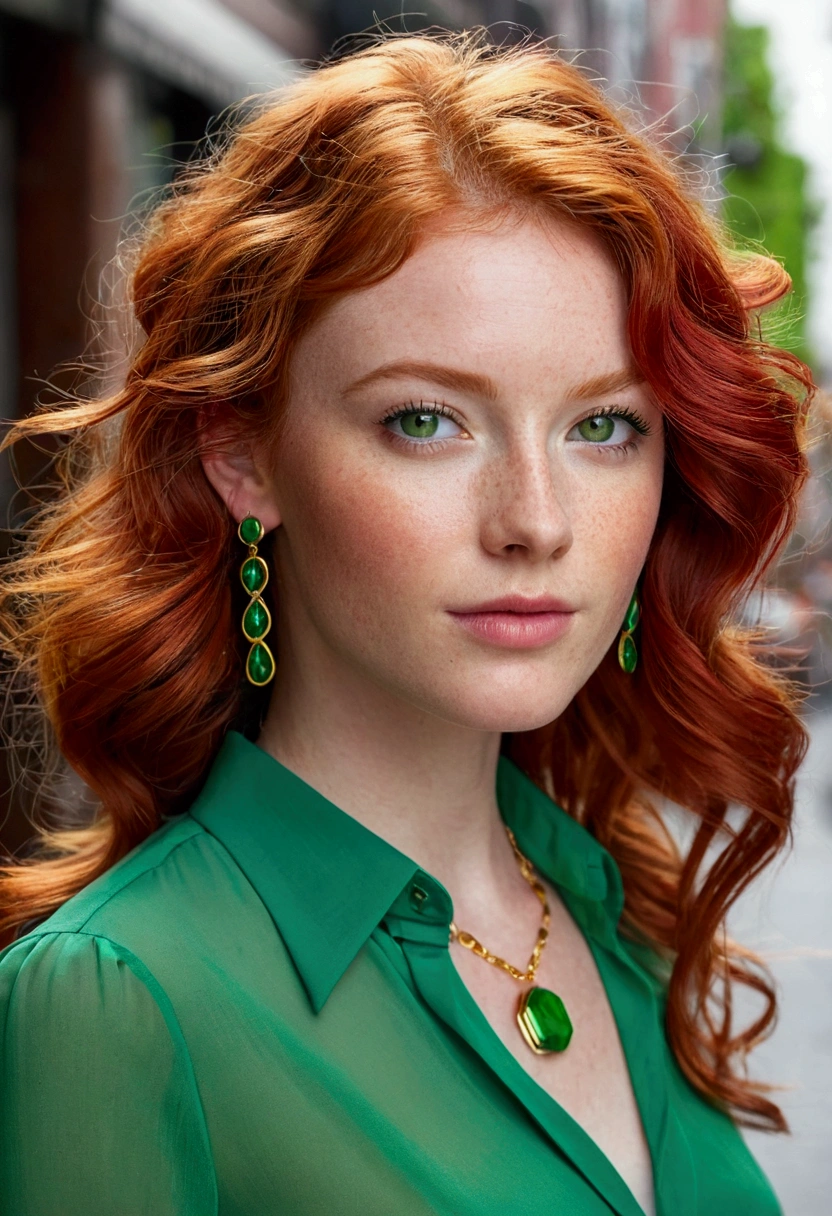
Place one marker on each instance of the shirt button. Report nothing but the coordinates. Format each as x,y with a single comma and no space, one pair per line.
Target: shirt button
418,899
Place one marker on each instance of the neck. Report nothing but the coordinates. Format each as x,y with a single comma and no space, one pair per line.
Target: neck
425,785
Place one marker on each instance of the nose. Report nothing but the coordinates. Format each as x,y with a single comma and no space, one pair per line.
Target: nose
523,512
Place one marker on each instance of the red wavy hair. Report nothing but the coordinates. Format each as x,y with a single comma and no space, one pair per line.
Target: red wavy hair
118,614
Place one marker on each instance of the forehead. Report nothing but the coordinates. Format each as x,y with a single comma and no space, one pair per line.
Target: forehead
529,291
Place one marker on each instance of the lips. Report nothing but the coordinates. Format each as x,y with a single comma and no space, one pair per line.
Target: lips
517,622
524,605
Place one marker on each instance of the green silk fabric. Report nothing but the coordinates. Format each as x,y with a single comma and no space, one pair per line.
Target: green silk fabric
252,1015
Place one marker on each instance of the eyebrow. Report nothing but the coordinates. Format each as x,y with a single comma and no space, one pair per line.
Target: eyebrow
611,382
483,386
449,377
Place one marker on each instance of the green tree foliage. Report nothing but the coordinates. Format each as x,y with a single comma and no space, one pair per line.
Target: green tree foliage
766,205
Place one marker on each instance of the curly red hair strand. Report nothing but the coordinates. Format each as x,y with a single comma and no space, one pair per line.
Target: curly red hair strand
118,614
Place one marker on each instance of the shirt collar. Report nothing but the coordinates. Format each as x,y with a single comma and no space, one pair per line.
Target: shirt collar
328,882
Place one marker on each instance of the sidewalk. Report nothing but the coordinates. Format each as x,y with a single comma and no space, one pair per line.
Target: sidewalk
789,920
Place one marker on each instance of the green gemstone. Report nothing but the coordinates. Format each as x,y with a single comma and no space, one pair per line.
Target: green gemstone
260,664
255,574
250,530
256,620
543,1017
627,654
632,617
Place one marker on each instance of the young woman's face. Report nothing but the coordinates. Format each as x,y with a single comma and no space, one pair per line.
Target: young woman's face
469,476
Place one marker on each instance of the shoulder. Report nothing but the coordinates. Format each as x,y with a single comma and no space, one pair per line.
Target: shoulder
181,875
80,964
162,916
129,881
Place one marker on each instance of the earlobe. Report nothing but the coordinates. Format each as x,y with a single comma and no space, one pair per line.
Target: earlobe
234,474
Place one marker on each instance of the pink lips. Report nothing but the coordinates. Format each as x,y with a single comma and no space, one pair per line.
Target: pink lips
517,622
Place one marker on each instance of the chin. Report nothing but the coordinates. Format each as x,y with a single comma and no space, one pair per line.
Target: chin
509,712
514,723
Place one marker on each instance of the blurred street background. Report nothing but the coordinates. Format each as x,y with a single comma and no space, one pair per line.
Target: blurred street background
102,100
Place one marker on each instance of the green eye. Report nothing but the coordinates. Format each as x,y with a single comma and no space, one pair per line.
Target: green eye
598,429
419,426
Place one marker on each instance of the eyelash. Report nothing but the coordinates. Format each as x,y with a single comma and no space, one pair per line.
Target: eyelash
420,407
616,411
612,411
435,407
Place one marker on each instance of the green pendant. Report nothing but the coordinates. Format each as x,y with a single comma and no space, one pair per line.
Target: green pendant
254,574
543,1021
627,653
260,664
633,615
256,620
250,530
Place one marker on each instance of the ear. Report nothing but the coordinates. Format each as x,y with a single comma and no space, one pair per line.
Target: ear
242,481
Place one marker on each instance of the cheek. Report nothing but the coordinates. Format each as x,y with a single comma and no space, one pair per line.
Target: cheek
617,529
362,545
612,538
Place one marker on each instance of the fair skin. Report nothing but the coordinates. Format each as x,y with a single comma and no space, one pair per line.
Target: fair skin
391,694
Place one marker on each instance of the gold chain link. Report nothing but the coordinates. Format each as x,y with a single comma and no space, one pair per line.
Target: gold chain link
471,943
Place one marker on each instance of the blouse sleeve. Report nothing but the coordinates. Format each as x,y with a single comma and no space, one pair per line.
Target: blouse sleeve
99,1111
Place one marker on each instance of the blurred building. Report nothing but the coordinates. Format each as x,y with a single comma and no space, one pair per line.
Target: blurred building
98,100
666,53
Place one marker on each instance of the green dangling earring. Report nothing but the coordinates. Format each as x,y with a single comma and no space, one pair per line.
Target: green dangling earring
627,652
257,620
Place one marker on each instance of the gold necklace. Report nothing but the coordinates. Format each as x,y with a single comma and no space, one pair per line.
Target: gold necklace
541,1014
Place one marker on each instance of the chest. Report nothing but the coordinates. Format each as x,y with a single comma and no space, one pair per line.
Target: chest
590,1079
390,1098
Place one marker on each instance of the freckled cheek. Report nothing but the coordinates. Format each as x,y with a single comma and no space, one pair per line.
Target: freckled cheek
371,543
612,535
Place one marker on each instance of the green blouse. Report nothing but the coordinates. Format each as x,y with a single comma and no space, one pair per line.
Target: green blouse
256,1013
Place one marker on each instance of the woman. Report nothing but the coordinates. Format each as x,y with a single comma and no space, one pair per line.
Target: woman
435,489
